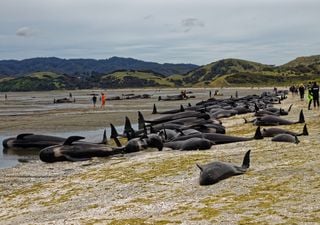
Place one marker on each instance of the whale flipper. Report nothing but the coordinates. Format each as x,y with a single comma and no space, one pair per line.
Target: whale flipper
72,139
73,159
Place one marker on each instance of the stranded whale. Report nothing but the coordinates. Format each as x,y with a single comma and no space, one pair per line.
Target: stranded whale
214,172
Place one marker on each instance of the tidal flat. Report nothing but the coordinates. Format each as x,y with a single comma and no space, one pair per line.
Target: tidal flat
150,187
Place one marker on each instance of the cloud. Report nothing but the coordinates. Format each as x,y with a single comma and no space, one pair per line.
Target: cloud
25,32
191,23
148,17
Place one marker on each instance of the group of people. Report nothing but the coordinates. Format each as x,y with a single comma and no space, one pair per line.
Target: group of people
102,98
312,93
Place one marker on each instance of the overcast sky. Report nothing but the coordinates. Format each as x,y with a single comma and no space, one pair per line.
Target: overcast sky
175,31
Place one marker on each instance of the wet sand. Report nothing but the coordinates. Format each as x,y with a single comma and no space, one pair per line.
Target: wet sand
151,187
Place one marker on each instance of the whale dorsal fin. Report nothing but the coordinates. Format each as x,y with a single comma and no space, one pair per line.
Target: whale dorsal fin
301,117
246,160
305,130
154,111
114,132
72,139
104,137
21,136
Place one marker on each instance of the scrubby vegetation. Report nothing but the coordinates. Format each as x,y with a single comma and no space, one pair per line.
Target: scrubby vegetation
223,73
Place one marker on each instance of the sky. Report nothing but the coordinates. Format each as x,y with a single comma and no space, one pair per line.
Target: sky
163,31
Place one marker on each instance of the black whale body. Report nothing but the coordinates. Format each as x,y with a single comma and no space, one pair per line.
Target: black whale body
214,172
28,140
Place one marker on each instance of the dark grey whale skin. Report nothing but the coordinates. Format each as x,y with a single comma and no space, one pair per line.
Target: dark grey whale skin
214,172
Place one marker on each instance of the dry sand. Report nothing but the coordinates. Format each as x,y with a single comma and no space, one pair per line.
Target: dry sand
281,187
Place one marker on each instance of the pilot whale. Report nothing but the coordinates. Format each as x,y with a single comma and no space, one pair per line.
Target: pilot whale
74,150
29,140
271,132
37,141
190,144
214,172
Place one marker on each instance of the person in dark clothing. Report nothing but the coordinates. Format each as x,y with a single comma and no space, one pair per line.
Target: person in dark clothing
315,94
94,100
310,97
301,91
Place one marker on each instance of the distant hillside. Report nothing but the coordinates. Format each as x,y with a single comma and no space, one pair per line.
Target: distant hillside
87,67
130,78
223,73
41,81
224,67
310,64
237,72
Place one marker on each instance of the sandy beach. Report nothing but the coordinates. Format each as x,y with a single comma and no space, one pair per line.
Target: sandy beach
150,187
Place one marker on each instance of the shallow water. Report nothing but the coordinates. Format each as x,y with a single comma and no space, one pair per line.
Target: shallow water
11,157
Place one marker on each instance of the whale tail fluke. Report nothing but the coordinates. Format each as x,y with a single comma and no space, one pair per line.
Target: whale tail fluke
301,117
258,134
154,111
246,160
305,130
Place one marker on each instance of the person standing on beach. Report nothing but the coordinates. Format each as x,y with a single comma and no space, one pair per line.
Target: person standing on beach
301,91
94,100
5,97
315,94
103,99
309,95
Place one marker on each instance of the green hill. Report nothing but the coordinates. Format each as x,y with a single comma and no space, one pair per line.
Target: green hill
224,67
226,72
40,81
132,78
310,65
237,72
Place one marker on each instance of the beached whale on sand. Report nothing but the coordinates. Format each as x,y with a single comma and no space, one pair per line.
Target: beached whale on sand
214,172
271,120
271,132
221,138
285,138
29,140
37,141
190,144
74,150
